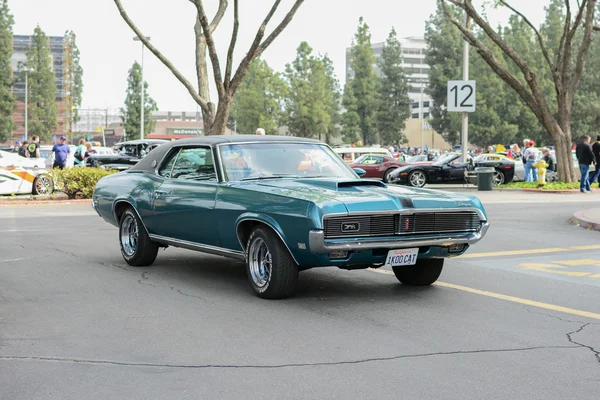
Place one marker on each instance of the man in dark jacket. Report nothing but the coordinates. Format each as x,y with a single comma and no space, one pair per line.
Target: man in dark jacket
596,151
585,157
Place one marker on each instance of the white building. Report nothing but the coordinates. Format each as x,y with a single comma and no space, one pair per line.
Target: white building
413,53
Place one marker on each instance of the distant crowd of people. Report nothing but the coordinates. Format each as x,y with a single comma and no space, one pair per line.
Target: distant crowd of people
59,153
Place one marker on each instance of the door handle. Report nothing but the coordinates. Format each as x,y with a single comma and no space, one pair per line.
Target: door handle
159,192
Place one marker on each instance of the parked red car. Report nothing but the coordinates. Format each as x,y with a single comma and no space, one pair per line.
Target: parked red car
378,166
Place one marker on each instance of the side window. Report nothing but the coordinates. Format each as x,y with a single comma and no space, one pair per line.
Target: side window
195,164
165,170
377,159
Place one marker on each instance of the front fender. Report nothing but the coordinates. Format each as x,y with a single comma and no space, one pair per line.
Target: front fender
298,255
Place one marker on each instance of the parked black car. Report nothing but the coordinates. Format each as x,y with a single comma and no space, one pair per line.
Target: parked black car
129,154
450,169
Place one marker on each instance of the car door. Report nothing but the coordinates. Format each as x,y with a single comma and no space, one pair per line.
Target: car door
371,165
183,205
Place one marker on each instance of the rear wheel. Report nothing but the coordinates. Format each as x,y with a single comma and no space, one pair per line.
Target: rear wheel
43,185
271,270
417,179
498,178
136,247
424,273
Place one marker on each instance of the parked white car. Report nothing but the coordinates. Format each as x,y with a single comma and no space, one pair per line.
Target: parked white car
20,175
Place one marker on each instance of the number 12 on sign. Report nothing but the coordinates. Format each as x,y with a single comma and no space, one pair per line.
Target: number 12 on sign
461,96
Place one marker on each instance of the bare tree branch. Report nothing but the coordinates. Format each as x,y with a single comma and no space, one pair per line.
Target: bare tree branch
528,73
537,33
236,25
212,51
495,64
201,101
201,70
284,23
585,44
559,76
257,48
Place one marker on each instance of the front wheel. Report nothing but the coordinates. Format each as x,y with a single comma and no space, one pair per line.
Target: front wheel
424,273
271,270
43,185
136,247
386,176
417,179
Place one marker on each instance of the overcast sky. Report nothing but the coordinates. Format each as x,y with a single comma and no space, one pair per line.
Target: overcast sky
108,51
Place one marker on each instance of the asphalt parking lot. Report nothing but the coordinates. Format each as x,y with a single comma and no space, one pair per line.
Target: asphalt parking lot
517,317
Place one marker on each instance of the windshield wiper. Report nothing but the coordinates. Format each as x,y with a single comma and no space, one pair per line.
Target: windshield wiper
257,178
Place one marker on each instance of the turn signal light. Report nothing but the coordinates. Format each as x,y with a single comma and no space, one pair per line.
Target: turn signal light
456,248
338,255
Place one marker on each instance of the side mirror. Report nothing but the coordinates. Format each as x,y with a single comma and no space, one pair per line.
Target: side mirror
359,171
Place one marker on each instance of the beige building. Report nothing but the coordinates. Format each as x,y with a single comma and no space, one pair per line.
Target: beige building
425,137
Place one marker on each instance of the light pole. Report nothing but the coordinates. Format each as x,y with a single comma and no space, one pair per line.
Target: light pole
26,104
137,39
465,115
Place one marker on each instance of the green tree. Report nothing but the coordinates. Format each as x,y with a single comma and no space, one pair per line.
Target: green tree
6,99
350,118
393,103
258,102
310,104
364,82
74,77
130,114
42,113
333,105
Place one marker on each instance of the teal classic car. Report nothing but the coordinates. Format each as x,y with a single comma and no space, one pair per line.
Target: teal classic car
283,205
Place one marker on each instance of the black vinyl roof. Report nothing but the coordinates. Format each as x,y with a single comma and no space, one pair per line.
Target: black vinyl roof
148,163
219,139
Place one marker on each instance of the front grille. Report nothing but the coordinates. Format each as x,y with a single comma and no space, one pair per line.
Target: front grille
401,224
442,222
368,225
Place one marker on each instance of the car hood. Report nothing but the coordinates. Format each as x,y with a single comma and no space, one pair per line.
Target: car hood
362,195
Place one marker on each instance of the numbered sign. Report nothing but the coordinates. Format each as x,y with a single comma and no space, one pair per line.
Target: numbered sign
461,96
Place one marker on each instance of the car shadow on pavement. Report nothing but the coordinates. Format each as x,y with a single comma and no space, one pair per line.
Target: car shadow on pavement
212,275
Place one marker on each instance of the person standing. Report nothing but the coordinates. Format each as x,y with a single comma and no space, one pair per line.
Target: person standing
23,149
585,157
596,151
531,174
33,148
80,153
60,152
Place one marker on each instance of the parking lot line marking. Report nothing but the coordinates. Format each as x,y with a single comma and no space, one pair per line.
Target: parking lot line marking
587,247
529,251
513,252
512,299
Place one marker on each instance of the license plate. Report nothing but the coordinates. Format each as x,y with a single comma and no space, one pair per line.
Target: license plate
397,258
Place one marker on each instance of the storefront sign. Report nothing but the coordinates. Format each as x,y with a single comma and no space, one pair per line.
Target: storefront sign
185,131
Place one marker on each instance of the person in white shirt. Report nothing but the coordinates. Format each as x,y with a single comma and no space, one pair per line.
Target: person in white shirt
260,131
529,155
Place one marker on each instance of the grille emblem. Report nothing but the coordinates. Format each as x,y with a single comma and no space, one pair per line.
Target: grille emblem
350,226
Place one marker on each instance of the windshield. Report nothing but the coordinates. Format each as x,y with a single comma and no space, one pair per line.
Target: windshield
281,160
445,159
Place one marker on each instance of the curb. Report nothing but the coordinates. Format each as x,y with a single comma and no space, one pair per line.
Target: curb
42,202
585,222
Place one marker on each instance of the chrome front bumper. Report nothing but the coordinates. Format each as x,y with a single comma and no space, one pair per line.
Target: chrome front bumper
316,241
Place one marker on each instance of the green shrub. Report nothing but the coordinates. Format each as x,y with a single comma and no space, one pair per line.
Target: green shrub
78,182
547,186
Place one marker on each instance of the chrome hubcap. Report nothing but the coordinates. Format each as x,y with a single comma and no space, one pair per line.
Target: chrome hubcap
43,185
417,179
498,178
129,235
260,262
